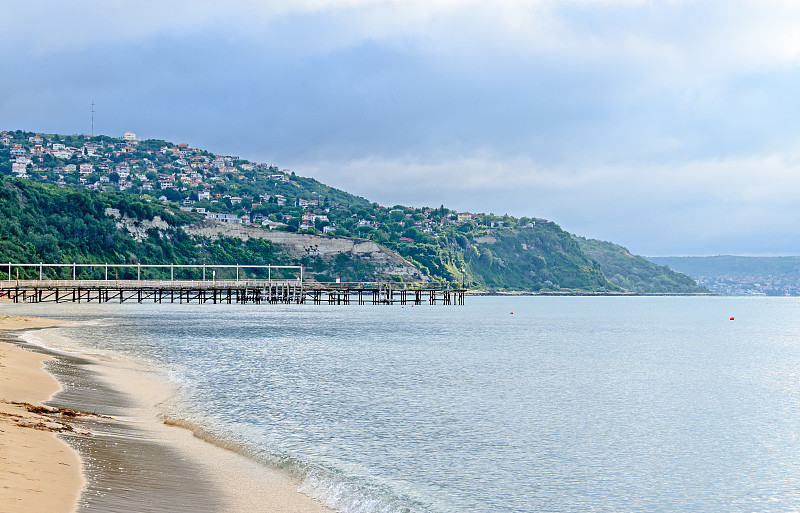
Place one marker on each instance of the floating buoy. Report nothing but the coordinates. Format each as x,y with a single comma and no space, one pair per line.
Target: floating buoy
731,318
512,313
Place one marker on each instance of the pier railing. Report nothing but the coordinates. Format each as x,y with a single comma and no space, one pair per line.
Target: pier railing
276,288
205,272
182,284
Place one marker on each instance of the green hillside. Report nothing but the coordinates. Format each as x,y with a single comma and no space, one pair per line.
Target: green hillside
541,257
635,273
44,223
40,223
55,209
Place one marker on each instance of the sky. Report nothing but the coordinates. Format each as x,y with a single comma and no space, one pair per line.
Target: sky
670,127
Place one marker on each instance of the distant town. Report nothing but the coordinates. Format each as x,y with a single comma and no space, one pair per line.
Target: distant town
740,275
224,188
750,285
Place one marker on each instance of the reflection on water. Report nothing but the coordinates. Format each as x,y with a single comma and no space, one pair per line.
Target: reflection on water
569,404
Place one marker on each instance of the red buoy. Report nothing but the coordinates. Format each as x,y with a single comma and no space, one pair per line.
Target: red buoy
731,318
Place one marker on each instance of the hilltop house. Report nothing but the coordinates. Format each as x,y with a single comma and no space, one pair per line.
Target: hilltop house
224,218
307,203
19,169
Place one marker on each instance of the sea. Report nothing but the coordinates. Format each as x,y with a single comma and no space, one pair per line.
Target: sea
505,404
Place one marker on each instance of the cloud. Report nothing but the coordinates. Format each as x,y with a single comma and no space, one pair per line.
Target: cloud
684,35
737,205
617,118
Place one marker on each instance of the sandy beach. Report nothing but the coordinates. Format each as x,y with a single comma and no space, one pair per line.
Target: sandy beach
119,454
38,471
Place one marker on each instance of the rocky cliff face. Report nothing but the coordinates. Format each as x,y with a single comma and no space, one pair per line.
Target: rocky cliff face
299,245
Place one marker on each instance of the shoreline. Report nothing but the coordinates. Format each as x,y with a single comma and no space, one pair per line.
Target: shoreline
136,460
565,293
38,470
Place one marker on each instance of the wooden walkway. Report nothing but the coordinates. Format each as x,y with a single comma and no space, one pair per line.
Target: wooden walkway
224,292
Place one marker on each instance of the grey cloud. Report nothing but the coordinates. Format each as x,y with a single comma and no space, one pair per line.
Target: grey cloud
607,97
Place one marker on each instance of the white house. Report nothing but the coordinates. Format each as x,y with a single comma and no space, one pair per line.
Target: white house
307,203
19,169
272,225
223,218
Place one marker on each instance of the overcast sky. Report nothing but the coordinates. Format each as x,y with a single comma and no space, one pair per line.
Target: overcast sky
671,127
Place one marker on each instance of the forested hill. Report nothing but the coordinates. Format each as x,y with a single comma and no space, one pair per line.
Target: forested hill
635,273
57,208
43,223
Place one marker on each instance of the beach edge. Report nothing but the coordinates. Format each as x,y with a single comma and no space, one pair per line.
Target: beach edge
39,471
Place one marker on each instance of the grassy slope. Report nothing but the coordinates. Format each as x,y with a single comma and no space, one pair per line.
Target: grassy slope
636,273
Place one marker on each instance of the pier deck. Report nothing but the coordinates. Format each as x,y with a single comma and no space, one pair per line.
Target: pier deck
224,292
210,283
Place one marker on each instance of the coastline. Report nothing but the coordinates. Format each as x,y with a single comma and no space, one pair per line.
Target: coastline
520,293
135,460
38,471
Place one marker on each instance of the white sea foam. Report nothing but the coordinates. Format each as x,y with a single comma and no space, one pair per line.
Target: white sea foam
349,494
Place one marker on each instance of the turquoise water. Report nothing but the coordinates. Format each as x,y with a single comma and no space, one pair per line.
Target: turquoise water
569,404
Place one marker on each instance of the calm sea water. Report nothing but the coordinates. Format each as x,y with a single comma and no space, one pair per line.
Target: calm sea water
569,404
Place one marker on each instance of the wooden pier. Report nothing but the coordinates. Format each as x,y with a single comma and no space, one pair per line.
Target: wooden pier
225,292
202,283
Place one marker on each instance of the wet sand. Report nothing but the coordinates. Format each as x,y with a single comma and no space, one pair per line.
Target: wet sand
134,462
38,472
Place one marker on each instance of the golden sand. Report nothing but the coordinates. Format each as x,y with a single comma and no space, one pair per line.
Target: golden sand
41,473
38,472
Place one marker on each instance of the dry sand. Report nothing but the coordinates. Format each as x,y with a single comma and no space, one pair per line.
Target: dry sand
133,461
38,472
